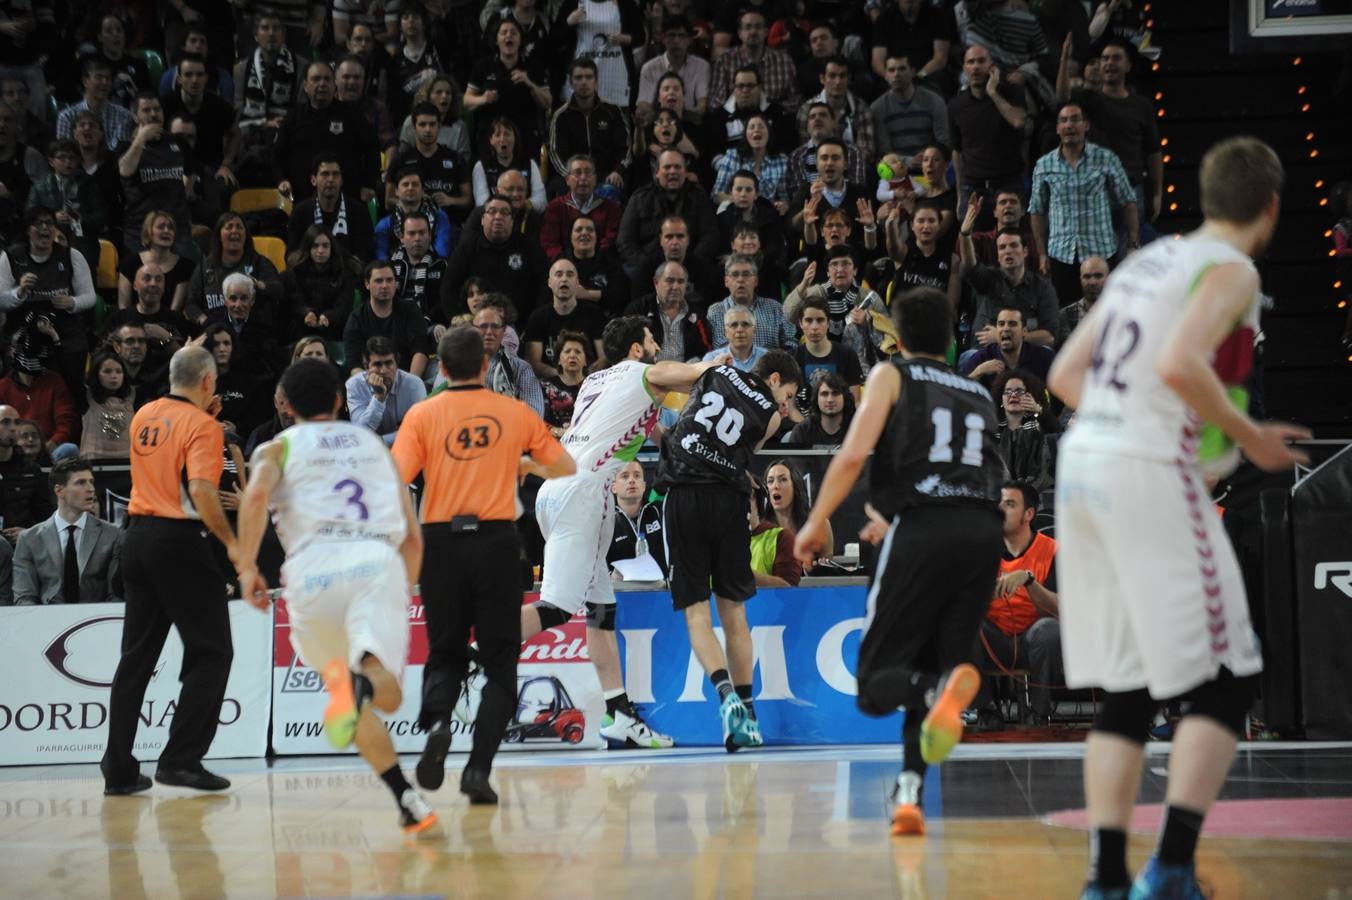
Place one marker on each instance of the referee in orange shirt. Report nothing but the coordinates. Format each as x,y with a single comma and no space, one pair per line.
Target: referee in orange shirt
472,446
171,578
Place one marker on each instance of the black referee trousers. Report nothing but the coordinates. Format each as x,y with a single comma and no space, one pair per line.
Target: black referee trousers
171,578
472,580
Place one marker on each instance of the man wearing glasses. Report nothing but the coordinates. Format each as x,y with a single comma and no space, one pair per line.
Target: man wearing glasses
741,277
1009,351
507,374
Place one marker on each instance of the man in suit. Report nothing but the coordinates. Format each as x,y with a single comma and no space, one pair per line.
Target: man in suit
73,557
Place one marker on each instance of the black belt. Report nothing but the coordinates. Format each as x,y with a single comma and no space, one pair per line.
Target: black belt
185,524
468,525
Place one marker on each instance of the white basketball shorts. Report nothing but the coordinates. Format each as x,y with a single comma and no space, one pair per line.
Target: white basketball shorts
577,518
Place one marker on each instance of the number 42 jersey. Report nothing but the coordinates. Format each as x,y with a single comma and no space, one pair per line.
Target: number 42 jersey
726,416
338,484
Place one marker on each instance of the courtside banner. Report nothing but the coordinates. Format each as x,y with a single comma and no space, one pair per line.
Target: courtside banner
558,704
806,643
56,666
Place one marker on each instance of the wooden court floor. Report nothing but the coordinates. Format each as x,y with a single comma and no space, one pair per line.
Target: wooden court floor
698,824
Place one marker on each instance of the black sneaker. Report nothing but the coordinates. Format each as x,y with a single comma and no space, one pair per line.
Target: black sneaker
474,785
199,779
141,783
431,770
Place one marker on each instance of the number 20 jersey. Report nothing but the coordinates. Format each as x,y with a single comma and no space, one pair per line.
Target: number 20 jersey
726,416
338,484
1126,409
938,447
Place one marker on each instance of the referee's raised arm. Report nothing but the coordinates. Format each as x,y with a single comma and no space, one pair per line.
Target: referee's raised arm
171,578
472,446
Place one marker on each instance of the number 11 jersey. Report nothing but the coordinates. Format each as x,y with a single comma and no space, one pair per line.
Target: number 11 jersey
339,484
726,416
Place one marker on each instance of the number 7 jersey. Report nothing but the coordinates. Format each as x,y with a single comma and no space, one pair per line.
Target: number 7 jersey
1125,407
339,484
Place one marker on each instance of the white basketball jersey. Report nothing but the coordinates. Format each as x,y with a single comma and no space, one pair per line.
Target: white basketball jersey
612,416
1125,407
338,484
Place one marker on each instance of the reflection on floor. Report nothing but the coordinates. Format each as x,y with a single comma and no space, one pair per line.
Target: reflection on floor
778,823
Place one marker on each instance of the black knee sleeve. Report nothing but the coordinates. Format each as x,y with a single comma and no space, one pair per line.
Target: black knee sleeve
1126,714
1225,699
551,616
601,615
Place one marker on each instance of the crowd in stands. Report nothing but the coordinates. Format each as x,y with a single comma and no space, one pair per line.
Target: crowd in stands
346,179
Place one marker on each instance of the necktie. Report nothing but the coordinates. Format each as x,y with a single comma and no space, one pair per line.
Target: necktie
70,583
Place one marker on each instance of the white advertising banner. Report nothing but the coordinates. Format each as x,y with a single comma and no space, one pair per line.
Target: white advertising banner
559,701
56,666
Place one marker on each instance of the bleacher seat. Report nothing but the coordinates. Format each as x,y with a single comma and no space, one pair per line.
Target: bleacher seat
274,249
259,200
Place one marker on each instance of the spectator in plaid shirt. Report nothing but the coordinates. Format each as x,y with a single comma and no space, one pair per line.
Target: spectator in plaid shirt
741,276
96,79
1075,188
854,118
775,68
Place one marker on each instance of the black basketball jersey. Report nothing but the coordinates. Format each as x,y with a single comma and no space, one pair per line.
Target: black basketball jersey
938,447
726,416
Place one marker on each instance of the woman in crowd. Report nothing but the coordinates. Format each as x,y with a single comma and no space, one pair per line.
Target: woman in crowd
442,93
665,133
232,250
320,285
105,429
1023,431
934,168
601,279
504,152
158,234
496,90
753,154
561,389
779,508
244,400
28,440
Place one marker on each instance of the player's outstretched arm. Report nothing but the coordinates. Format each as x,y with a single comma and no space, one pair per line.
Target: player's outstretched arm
880,395
252,519
1066,379
1184,364
677,376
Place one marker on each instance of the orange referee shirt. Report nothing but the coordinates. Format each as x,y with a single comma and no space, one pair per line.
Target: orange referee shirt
467,442
172,442
1016,613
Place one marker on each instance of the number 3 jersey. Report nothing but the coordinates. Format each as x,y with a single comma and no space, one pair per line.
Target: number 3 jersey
338,484
938,447
1125,407
727,415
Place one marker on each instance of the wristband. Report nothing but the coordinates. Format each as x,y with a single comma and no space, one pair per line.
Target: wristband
1030,579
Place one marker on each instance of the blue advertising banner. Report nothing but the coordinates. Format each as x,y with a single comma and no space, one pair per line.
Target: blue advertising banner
806,648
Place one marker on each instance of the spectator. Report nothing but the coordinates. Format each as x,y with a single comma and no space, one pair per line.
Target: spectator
73,557
243,394
778,508
96,159
339,213
650,206
508,375
752,154
159,233
384,316
536,49
41,394
831,189
410,199
1075,188
601,279
727,121
267,84
255,342
503,257
475,294
920,31
934,185
774,66
706,282
418,269
33,130
1022,625
587,124
1024,426
748,209
349,89
853,117
602,31
204,189
1012,34
96,84
444,96
110,400
829,416
580,199
525,217
921,259
81,209
741,279
560,389
196,41
847,303
214,116
28,438
165,329
375,59
321,124
694,72
667,132
153,165
1093,276
505,153
740,327
1010,350
823,43
908,117
680,332
818,353
564,313
280,420
442,169
25,499
1011,284
381,19
503,85
379,397
416,61
1009,213
638,522
320,285
129,342
987,120
231,250
835,232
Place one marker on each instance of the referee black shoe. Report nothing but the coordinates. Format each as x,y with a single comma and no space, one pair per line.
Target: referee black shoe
474,785
431,769
142,783
199,779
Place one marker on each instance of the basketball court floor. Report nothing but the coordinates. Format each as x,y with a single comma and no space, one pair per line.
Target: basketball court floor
1004,821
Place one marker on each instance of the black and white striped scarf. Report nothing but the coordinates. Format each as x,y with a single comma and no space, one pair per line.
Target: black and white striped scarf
339,226
262,102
